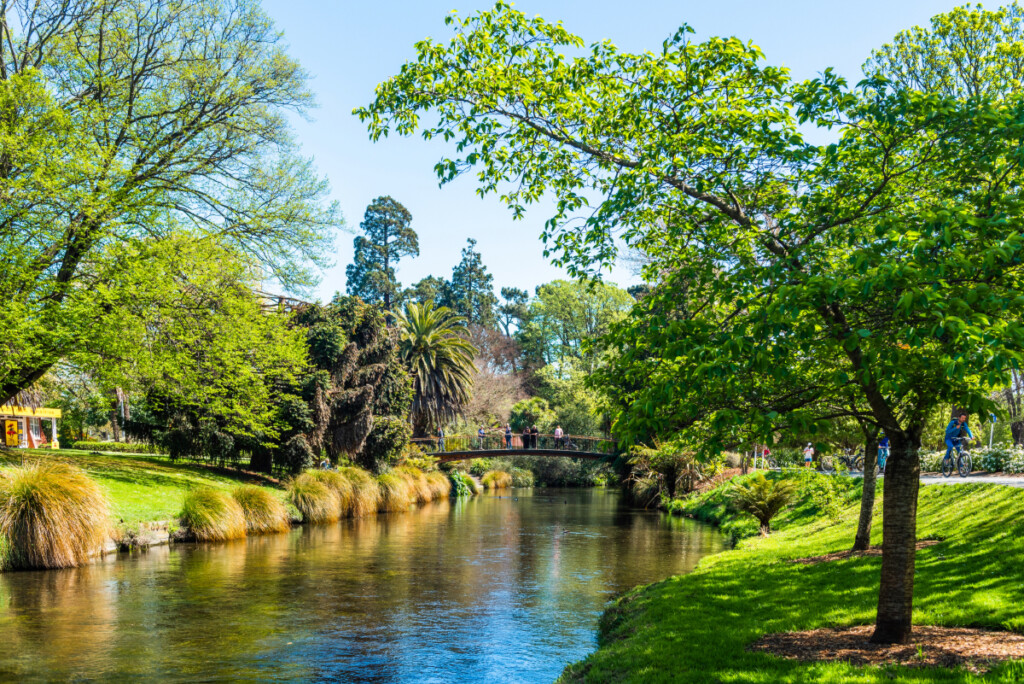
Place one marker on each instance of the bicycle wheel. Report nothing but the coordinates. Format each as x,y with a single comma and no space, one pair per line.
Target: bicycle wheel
858,464
827,465
964,465
947,466
772,463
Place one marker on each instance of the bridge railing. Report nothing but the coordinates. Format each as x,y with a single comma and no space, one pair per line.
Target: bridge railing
519,442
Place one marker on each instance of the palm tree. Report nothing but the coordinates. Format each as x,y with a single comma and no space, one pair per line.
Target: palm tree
435,346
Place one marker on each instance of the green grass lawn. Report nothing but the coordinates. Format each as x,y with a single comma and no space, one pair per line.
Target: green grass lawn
142,488
696,627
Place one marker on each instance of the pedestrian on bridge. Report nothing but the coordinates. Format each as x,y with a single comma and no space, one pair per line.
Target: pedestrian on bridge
534,434
526,437
440,438
558,436
508,436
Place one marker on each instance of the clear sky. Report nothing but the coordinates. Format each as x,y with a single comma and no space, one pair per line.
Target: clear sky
349,46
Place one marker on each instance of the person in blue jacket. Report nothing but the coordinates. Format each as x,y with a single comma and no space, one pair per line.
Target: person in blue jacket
883,451
956,428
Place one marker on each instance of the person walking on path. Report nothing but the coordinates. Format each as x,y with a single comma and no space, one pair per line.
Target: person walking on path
808,455
558,436
508,436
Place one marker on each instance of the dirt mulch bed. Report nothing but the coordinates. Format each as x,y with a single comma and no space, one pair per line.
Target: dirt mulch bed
718,479
843,555
976,650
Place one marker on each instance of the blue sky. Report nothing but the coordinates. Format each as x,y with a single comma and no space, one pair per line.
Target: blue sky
349,47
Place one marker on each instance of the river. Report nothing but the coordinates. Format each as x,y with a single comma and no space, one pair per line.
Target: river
504,587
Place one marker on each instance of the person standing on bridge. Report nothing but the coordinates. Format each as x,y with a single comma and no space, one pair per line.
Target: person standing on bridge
480,434
526,437
558,436
534,433
440,438
508,436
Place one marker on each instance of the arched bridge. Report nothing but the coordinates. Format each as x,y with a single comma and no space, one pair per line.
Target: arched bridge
462,447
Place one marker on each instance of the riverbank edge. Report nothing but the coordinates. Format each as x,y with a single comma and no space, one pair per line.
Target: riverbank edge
698,626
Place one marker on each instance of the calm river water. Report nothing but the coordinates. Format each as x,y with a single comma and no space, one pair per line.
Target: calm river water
498,588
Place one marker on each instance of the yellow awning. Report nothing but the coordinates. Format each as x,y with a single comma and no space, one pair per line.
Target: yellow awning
6,410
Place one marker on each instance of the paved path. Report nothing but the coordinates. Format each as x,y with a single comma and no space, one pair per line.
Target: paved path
1009,480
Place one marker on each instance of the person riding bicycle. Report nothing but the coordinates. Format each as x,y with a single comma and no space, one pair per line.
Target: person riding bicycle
883,451
955,431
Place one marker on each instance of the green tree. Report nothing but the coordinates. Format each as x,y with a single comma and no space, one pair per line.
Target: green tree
124,121
388,239
435,347
430,289
470,293
565,316
513,309
891,253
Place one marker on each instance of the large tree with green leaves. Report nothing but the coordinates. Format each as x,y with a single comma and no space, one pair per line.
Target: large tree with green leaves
388,239
892,252
435,345
470,292
125,121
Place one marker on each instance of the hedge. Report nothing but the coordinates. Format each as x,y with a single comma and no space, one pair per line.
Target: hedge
118,447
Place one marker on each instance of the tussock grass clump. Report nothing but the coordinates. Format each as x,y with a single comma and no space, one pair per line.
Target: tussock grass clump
496,479
367,493
317,502
397,494
51,516
341,485
417,482
212,515
263,512
440,485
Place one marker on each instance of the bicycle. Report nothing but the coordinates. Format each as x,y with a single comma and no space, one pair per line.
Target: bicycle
852,461
964,464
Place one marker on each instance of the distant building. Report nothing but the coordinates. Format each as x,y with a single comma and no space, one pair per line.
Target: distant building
23,427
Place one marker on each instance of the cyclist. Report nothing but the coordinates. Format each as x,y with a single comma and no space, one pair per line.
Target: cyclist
883,451
955,431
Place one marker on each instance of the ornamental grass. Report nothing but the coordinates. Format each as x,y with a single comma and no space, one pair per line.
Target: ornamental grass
317,502
210,514
263,511
52,515
341,485
440,485
496,479
397,493
367,499
418,483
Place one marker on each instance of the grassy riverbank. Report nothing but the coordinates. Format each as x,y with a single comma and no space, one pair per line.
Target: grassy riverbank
696,627
143,488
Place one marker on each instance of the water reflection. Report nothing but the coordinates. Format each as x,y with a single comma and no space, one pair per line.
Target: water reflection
495,588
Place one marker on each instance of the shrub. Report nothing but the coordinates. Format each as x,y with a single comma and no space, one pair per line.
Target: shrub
116,447
496,479
385,443
396,493
52,515
366,497
317,502
295,455
463,485
210,514
479,466
521,477
440,485
418,485
263,511
763,498
336,481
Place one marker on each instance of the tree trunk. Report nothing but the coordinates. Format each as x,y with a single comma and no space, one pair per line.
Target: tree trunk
867,498
899,539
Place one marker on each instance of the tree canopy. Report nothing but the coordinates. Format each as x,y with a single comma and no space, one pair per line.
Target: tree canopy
124,122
